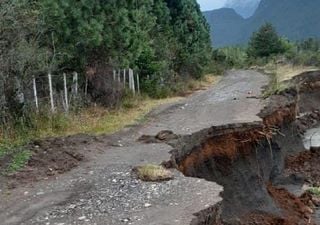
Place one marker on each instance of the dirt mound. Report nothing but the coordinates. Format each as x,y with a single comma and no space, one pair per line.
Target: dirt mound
294,209
306,164
165,136
50,157
308,85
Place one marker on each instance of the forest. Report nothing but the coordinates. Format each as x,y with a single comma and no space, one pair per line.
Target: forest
165,41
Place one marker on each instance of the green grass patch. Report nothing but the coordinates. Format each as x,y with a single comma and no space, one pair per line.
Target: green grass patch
14,157
314,191
275,86
18,161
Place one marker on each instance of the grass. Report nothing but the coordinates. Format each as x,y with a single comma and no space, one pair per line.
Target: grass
287,72
281,73
17,156
99,120
18,160
190,86
152,173
314,191
93,120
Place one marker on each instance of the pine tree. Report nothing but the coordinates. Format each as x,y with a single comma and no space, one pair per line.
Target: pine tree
265,42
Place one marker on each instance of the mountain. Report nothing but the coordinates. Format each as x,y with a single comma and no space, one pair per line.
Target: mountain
221,21
245,8
294,19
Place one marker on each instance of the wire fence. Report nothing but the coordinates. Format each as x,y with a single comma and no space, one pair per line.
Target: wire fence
60,91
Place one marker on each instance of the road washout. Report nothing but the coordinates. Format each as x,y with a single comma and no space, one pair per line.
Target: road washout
248,159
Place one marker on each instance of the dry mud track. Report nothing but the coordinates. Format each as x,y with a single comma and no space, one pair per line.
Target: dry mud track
102,191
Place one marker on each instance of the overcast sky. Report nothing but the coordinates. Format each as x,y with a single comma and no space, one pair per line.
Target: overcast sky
211,4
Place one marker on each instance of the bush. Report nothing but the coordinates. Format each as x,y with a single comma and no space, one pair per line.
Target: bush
156,87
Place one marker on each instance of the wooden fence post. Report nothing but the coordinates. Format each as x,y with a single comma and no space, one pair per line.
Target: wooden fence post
51,92
35,93
124,78
138,83
65,91
75,83
133,84
130,80
86,88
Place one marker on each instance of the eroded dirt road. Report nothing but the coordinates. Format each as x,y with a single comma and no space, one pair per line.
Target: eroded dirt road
102,191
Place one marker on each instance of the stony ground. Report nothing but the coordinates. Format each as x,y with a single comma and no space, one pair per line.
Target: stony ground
101,190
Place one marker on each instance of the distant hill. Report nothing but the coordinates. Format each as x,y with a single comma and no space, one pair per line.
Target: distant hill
245,8
295,19
221,21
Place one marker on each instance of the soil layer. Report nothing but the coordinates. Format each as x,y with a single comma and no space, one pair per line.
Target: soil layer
246,158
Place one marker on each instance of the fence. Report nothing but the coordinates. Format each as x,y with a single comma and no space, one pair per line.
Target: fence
64,88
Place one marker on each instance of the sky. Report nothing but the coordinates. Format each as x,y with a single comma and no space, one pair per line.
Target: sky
211,4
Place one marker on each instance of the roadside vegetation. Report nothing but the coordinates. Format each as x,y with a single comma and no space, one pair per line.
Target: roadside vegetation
314,191
93,120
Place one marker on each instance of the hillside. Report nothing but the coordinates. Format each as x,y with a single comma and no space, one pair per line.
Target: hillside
221,21
245,8
295,19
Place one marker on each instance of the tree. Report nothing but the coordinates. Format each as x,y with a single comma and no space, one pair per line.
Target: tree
21,55
193,39
265,42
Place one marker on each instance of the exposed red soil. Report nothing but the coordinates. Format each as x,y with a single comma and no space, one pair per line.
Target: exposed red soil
306,164
225,147
228,144
281,116
294,209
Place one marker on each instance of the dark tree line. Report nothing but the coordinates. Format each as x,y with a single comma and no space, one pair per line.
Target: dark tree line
162,39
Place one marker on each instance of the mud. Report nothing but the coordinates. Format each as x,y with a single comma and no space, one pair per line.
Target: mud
246,158
49,158
295,211
307,165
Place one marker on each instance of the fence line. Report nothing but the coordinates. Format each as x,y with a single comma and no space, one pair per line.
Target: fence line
62,92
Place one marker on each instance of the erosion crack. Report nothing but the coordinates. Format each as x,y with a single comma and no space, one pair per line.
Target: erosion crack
246,158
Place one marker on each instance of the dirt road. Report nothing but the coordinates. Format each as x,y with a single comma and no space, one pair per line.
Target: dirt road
102,191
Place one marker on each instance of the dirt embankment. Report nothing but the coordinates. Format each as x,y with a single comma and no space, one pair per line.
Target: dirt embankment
247,158
49,158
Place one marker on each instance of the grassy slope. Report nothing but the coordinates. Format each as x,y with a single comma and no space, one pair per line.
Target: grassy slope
281,73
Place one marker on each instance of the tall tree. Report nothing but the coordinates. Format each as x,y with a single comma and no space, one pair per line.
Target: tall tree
21,55
192,33
265,42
